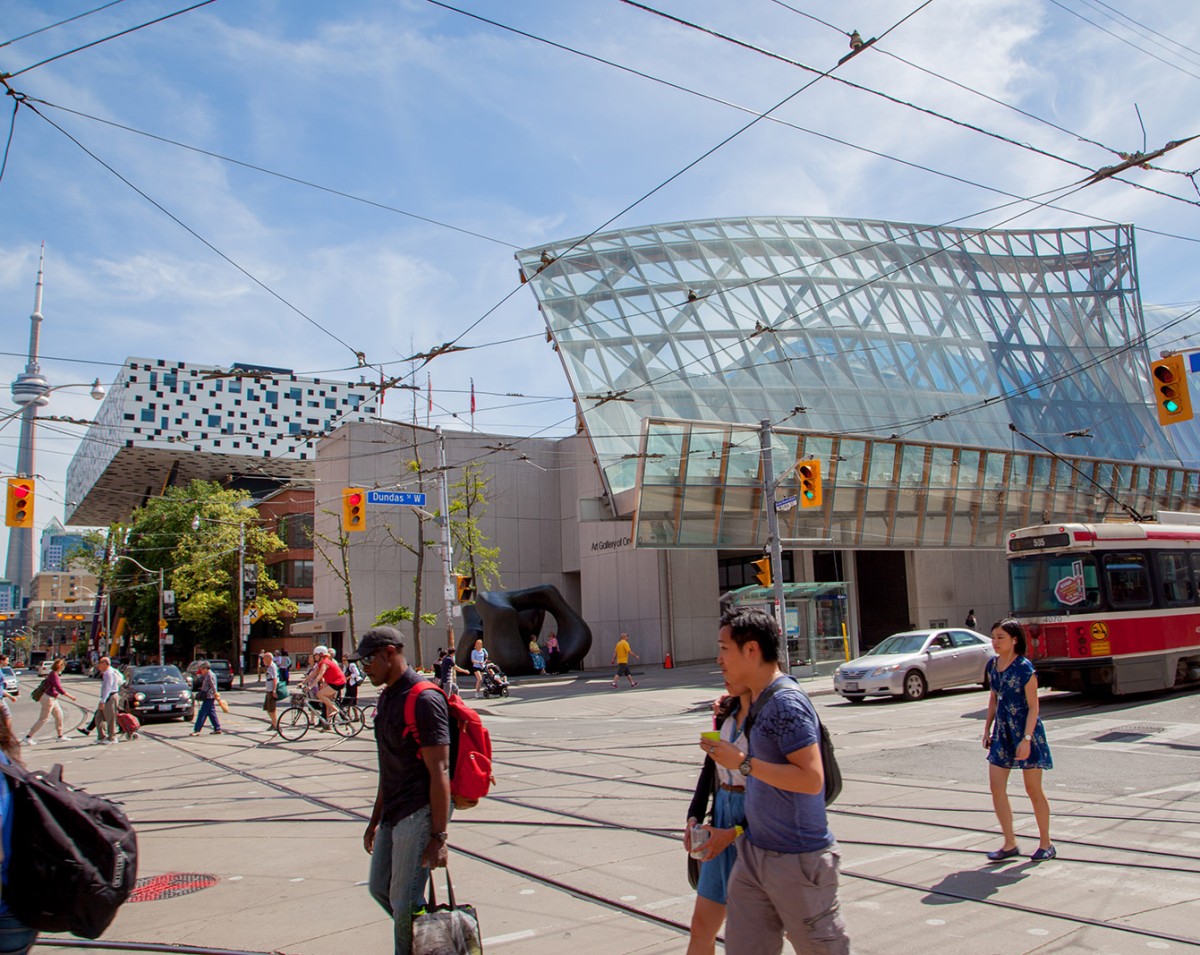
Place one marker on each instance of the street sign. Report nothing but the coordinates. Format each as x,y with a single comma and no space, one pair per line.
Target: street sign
786,504
411,498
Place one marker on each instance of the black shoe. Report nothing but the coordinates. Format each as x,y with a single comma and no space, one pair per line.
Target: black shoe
1001,854
83,731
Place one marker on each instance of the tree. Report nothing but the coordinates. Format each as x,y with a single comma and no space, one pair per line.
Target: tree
467,507
199,563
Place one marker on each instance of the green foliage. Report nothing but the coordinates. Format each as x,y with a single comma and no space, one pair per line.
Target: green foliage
467,507
389,618
199,563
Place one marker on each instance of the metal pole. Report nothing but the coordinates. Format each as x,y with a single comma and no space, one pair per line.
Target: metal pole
161,643
768,472
241,617
447,555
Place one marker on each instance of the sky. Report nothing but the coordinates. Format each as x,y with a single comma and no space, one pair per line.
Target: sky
289,182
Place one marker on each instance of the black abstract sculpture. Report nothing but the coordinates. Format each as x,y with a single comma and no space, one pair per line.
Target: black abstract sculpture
507,620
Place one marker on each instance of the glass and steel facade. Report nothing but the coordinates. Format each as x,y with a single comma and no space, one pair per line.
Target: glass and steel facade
929,344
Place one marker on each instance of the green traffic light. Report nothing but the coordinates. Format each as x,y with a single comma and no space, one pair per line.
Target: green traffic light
808,494
1171,406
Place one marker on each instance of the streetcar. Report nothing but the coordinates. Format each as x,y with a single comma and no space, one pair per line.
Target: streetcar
1109,608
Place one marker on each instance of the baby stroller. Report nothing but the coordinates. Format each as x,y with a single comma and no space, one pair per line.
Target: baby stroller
494,682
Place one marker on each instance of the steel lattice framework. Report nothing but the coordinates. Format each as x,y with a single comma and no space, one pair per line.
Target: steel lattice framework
873,328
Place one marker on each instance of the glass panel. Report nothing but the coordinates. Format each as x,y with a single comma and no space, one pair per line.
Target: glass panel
1055,584
1127,578
1175,579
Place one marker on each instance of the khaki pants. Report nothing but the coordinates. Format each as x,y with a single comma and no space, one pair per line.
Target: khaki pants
771,893
106,718
50,708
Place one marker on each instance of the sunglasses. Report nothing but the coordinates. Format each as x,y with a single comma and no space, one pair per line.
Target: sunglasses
366,661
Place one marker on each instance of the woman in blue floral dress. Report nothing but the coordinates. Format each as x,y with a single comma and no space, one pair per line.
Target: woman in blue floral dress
1014,737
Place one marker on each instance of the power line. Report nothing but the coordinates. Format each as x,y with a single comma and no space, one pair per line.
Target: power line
78,16
1127,42
88,46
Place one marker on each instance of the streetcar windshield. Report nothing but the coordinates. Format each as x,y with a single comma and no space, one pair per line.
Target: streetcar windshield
1054,584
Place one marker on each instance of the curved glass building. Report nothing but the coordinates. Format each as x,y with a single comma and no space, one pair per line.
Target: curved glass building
862,342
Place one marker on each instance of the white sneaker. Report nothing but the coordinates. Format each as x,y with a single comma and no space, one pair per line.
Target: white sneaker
61,739
27,741
108,742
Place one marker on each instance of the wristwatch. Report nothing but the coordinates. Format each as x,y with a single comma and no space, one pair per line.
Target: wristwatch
1028,739
744,766
441,837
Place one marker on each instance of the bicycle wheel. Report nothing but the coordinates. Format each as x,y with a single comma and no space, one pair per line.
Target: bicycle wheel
294,722
356,713
368,719
344,723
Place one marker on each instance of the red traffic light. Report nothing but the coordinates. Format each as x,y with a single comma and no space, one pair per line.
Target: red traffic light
20,491
354,499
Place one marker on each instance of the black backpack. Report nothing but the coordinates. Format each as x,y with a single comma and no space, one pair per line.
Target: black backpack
833,773
74,855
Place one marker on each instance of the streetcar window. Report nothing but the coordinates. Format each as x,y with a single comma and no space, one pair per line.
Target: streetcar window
1054,583
1175,578
1128,578
1195,559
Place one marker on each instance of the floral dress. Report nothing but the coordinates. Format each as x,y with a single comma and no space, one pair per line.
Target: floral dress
1012,710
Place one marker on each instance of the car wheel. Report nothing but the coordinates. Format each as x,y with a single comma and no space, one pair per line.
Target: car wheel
855,699
915,686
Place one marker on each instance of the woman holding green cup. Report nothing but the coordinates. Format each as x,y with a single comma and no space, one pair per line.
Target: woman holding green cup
713,844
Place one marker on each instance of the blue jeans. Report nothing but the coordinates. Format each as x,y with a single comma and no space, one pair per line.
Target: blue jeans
208,710
15,937
398,879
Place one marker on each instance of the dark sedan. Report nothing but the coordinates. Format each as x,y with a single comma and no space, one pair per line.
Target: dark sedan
152,692
220,669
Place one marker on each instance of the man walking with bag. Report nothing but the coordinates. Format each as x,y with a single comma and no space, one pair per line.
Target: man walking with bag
207,692
786,875
106,713
407,834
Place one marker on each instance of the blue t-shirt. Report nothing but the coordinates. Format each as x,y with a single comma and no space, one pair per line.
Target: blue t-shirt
783,821
5,831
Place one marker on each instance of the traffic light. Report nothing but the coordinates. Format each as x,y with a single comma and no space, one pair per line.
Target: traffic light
810,482
354,515
762,571
1171,396
464,587
18,511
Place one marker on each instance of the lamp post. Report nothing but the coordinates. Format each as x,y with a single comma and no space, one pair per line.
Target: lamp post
132,560
241,614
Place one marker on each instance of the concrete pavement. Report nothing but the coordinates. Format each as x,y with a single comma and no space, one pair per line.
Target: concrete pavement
577,849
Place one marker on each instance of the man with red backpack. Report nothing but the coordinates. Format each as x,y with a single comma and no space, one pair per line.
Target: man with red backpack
407,834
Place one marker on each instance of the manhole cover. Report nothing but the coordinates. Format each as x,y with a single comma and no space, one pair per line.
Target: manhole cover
170,885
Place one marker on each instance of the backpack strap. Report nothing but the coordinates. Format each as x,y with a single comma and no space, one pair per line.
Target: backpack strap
787,683
410,707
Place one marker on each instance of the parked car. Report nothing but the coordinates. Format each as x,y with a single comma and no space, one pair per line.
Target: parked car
220,668
913,663
156,691
44,667
12,682
73,666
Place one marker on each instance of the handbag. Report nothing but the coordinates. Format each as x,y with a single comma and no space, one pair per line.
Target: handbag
281,691
223,705
39,691
446,929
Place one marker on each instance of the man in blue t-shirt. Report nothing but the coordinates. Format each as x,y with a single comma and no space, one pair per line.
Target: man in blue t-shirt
786,875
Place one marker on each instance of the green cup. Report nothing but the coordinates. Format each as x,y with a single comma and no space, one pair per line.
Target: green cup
713,736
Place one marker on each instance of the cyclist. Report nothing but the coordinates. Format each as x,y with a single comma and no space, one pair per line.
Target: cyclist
327,678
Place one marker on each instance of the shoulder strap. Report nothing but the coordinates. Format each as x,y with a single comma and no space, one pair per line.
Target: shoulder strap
410,707
788,682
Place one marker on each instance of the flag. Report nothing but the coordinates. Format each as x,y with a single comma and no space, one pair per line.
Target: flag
380,411
472,404
429,388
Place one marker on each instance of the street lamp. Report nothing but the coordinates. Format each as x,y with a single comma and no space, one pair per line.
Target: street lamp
132,560
241,614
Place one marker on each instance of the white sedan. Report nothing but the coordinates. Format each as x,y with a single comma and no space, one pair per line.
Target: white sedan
913,663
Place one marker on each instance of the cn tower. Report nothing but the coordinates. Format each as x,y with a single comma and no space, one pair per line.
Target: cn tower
30,391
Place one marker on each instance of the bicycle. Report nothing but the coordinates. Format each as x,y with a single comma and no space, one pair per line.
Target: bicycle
297,717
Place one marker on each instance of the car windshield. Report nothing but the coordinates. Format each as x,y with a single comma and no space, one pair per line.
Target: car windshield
218,664
8,671
899,643
157,675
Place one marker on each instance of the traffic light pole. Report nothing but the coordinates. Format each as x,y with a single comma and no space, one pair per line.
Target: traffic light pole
447,554
768,473
241,617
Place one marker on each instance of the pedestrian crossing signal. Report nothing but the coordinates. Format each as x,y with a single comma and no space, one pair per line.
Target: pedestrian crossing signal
464,588
762,571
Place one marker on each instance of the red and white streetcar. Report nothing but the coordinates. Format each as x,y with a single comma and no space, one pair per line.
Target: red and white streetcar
1111,607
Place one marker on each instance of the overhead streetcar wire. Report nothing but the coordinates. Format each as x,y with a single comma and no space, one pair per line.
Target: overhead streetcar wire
183,225
893,99
113,36
78,16
1142,26
1125,40
271,172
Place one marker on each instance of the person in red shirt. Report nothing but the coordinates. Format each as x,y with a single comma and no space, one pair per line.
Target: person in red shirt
326,678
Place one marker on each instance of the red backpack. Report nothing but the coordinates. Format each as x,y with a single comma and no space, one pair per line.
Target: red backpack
470,746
